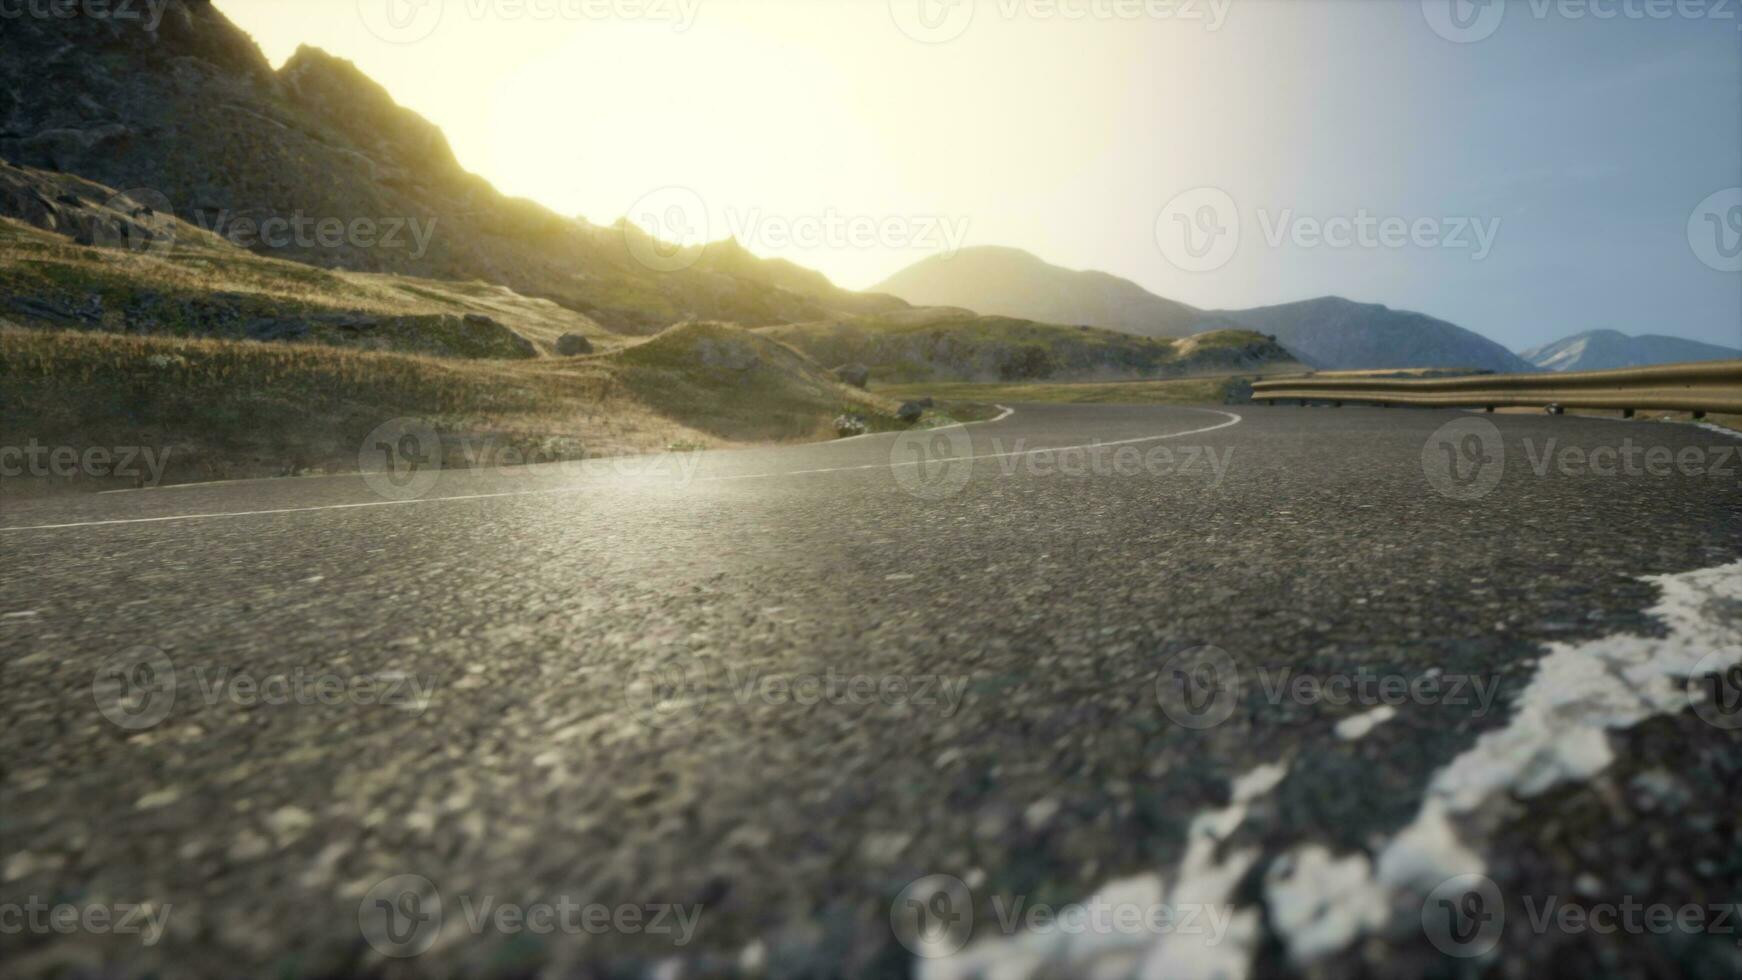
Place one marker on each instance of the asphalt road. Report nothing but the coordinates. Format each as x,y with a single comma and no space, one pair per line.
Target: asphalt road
716,714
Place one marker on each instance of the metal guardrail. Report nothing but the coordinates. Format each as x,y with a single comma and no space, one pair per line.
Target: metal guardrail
1710,386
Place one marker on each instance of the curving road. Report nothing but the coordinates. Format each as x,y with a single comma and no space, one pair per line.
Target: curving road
720,713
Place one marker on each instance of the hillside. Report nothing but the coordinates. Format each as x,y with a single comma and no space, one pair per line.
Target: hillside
229,409
194,114
77,255
1011,282
948,344
1598,350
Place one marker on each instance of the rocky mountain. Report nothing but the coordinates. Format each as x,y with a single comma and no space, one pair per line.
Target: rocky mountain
1342,335
1598,350
1011,282
1329,333
316,163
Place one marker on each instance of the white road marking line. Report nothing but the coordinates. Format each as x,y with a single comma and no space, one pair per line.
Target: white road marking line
1233,419
1558,733
1203,938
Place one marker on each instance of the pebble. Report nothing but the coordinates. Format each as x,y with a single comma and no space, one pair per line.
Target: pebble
1040,813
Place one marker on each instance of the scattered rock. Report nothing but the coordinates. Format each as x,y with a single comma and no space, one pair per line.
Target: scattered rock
1040,813
857,375
851,425
573,345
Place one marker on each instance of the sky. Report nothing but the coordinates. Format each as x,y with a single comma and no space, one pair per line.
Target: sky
1527,169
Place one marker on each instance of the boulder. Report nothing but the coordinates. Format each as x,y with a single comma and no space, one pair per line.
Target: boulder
910,412
857,375
573,345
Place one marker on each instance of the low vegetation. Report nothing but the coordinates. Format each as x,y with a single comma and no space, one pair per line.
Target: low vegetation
231,409
1177,391
943,344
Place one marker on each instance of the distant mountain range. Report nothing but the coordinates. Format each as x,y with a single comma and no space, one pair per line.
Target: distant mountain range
1597,350
1010,282
1341,335
1329,332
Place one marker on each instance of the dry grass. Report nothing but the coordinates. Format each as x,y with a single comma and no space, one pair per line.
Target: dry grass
199,266
1181,391
235,409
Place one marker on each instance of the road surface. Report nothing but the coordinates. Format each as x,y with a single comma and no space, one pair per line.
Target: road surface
862,708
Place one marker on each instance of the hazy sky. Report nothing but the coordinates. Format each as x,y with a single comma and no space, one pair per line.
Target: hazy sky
1527,170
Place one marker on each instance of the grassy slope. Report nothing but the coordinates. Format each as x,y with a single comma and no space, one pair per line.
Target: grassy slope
1179,391
202,287
232,409
956,345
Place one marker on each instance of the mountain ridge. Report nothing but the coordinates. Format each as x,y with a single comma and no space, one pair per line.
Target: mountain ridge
193,111
1022,285
1327,332
1601,350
